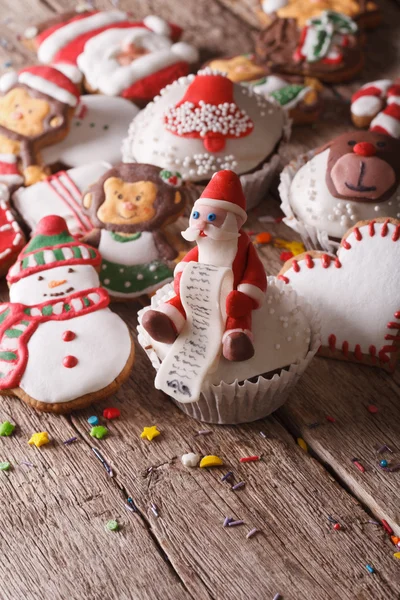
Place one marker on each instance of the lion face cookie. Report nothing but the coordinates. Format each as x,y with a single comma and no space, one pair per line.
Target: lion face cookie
35,111
356,293
61,346
131,205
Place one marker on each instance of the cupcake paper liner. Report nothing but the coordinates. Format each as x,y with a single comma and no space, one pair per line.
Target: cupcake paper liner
313,238
240,402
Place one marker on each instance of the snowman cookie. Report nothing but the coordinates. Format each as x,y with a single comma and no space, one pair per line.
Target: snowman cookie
60,194
354,177
203,123
356,293
328,47
36,107
97,130
61,347
12,239
116,55
130,206
377,105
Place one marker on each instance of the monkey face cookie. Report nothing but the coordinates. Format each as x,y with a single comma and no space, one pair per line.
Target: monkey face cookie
354,177
203,123
36,107
355,294
131,205
327,47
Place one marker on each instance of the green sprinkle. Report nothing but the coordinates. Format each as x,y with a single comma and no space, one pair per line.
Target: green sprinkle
112,525
6,428
5,466
99,432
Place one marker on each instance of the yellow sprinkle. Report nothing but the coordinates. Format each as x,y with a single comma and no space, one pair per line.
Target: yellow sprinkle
302,444
211,461
149,433
294,247
39,439
397,555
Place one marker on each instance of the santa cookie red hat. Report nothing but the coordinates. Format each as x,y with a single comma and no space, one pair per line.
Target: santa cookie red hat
44,79
225,191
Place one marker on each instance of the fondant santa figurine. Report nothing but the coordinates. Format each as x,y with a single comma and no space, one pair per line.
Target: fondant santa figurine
215,224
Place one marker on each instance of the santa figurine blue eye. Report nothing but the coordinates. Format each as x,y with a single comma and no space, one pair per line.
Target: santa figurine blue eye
211,217
195,214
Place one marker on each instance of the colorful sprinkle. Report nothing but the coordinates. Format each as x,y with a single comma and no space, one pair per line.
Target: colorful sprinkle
383,463
99,432
93,420
6,429
227,520
357,464
154,510
372,409
39,439
149,433
263,435
286,255
191,459
387,527
111,413
112,525
5,466
263,238
331,419
70,440
235,523
228,475
103,461
131,505
252,532
211,461
204,432
302,444
246,459
396,555
277,597
337,527
313,425
370,569
239,485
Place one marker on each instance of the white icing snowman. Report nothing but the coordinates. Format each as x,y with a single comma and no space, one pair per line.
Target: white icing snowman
76,346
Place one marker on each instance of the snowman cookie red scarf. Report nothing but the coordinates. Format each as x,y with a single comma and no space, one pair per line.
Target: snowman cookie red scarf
18,323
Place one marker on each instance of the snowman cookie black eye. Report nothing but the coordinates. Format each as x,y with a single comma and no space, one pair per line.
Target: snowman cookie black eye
71,270
40,278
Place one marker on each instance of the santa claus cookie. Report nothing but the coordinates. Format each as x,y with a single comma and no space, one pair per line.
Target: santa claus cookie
60,194
377,106
131,205
61,346
36,107
366,13
97,130
328,47
12,239
206,122
116,55
354,177
355,293
217,329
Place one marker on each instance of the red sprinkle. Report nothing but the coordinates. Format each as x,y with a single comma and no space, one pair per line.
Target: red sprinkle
331,419
286,255
249,459
372,409
337,526
387,527
68,336
111,413
358,465
70,361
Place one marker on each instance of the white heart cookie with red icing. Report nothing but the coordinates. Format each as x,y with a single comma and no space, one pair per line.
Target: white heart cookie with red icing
12,239
356,293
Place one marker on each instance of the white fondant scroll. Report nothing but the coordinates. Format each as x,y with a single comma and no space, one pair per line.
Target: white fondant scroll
203,290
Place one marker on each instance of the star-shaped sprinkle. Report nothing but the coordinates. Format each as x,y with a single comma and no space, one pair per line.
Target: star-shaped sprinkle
39,439
6,428
5,466
149,433
99,432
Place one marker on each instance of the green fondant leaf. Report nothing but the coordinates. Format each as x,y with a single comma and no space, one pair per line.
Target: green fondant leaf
8,355
13,333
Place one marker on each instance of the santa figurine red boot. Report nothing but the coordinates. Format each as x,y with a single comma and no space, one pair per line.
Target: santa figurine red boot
215,224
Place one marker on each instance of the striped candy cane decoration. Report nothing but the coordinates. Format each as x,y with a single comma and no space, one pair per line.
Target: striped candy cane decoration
369,104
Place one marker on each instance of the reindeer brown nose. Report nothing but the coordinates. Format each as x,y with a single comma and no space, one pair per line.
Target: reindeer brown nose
364,149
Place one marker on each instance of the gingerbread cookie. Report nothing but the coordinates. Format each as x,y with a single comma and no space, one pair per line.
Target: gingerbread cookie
238,69
60,194
130,206
366,13
328,47
116,55
97,130
36,107
354,177
377,106
12,239
61,346
355,293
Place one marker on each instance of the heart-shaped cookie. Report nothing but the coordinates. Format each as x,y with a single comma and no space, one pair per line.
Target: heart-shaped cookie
356,293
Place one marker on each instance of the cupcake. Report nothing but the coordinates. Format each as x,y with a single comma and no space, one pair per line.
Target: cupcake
205,122
355,177
227,343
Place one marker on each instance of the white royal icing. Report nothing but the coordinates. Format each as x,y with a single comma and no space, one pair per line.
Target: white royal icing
47,87
150,142
96,132
134,252
270,6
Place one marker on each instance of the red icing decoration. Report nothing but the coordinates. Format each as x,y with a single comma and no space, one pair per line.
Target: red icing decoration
68,336
72,202
394,338
345,348
111,413
372,351
309,261
384,228
357,352
150,86
357,234
283,278
364,149
368,91
46,32
70,362
326,260
338,264
393,325
346,245
371,228
205,95
286,255
397,315
11,238
295,266
54,76
396,233
394,90
393,110
332,342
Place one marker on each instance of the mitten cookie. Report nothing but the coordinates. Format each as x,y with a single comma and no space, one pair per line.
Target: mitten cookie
36,107
355,293
61,346
131,205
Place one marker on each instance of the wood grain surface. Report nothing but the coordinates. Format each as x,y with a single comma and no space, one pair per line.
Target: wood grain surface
53,514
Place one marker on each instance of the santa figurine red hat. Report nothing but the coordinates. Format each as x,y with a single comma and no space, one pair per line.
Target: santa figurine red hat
215,224
44,79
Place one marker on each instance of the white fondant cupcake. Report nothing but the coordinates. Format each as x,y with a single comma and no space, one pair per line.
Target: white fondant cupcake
205,122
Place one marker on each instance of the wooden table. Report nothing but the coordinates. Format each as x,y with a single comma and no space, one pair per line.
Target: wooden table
52,514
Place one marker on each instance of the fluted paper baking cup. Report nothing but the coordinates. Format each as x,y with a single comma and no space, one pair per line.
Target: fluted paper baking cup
246,401
312,237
